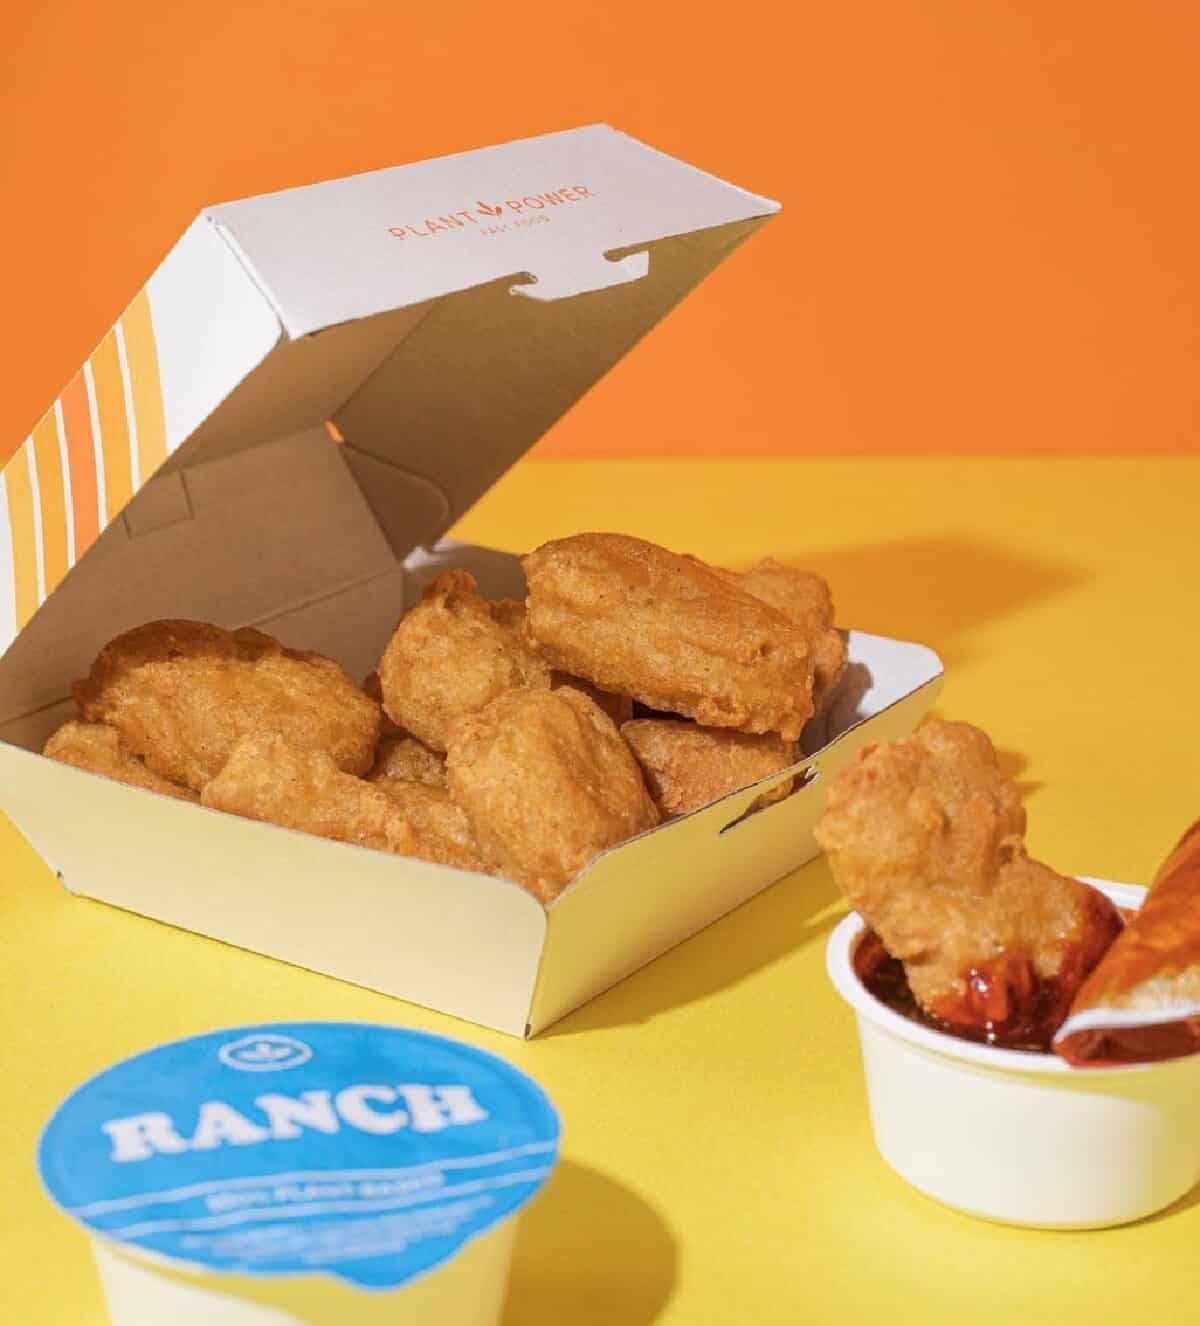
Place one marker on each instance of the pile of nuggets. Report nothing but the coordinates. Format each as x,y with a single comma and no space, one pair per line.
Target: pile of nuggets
516,739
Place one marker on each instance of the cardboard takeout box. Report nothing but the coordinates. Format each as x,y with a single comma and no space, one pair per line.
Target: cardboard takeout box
440,317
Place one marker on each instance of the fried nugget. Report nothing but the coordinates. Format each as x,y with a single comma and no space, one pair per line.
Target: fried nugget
618,707
99,749
805,598
268,778
372,687
407,760
183,693
925,839
547,783
638,620
687,766
452,653
443,832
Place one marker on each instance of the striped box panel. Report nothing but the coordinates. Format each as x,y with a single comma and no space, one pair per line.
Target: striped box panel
91,451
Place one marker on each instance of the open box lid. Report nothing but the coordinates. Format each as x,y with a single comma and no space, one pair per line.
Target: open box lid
442,315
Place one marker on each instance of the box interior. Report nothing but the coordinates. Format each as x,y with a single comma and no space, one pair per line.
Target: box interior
260,518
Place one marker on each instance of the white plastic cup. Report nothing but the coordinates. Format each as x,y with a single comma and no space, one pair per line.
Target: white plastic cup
302,1174
468,1290
1020,1137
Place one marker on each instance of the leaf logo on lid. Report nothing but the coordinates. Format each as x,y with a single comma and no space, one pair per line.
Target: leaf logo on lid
265,1053
486,209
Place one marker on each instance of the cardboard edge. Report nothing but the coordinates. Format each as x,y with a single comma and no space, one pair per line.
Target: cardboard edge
921,697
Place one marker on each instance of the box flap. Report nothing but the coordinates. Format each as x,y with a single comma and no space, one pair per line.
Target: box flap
443,315
554,207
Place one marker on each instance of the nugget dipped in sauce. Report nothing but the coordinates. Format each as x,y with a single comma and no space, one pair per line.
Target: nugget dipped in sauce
670,632
183,693
925,838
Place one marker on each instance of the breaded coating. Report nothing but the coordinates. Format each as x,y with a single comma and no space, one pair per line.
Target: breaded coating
452,653
618,707
182,694
99,749
687,766
805,598
267,778
406,759
925,839
547,783
443,832
1152,972
372,687
638,620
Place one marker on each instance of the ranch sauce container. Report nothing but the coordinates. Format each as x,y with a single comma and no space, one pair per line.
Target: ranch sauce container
326,1173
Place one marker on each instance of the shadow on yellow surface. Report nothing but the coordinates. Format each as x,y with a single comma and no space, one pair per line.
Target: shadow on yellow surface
590,1252
933,590
796,911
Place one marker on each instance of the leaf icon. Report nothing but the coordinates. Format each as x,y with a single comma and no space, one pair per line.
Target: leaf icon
486,210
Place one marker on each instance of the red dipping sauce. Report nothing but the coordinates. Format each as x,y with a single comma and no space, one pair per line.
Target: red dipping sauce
1032,1028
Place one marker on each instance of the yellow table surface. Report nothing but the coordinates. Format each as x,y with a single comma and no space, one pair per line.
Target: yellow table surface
718,1163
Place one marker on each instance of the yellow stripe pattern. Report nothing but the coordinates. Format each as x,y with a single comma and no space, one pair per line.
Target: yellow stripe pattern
19,488
41,456
53,495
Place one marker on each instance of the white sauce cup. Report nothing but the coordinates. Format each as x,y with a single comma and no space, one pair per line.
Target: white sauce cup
1021,1137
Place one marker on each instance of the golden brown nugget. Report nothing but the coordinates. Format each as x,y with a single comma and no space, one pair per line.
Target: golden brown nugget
618,707
687,766
372,687
804,597
406,759
452,653
547,783
925,838
267,778
511,613
183,693
443,832
637,620
99,749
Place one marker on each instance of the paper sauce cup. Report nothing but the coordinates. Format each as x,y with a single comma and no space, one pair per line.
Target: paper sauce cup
330,1174
1020,1137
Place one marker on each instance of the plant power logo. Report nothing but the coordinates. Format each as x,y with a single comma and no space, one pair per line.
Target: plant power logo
496,216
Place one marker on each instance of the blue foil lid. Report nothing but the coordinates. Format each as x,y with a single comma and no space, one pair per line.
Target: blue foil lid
368,1153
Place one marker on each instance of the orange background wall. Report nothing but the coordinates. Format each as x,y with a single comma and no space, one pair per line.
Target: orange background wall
992,206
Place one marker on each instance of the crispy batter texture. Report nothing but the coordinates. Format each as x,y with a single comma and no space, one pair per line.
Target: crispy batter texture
183,693
618,707
443,832
407,760
687,766
452,653
372,687
99,749
804,597
547,783
925,838
638,620
267,778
